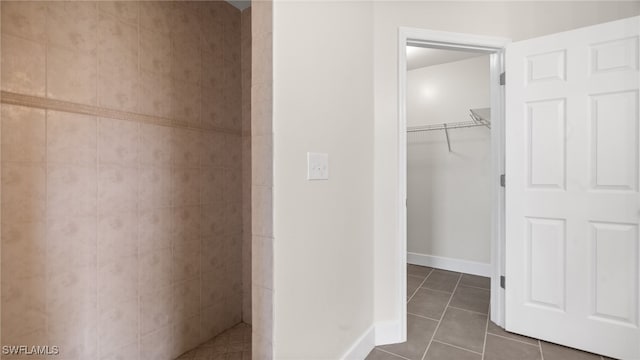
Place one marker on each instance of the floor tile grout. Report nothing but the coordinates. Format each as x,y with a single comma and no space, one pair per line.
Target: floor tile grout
419,286
230,347
486,334
495,345
457,347
451,294
442,291
419,276
394,354
471,311
422,316
540,349
516,340
441,317
475,287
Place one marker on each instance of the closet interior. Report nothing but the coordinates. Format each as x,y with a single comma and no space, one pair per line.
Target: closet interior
448,159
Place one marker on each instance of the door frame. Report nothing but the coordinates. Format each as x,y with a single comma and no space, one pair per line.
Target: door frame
456,41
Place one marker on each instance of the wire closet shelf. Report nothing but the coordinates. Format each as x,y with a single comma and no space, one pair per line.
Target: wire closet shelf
479,117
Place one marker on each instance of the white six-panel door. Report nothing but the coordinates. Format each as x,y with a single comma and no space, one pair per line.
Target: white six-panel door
572,192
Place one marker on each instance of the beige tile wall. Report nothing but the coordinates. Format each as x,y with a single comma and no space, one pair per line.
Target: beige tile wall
122,239
262,180
246,164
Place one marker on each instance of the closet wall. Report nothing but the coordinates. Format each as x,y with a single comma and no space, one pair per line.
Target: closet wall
449,193
122,153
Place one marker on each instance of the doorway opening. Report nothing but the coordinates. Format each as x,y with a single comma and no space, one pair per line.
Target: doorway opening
449,160
478,124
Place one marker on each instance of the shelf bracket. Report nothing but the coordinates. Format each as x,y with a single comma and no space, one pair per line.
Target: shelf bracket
446,133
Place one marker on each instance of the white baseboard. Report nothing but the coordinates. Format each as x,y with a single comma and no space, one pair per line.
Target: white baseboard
361,347
389,333
463,266
378,334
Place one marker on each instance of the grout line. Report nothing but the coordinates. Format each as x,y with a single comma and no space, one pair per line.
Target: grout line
422,316
475,287
97,164
97,242
471,311
46,182
457,347
46,225
418,288
440,291
516,340
486,331
138,175
97,52
172,170
429,273
46,103
46,53
448,271
417,276
389,352
441,317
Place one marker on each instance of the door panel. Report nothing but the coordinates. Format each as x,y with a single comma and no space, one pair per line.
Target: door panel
546,146
572,201
546,241
614,161
614,250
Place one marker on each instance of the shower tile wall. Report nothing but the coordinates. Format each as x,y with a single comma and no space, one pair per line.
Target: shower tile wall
262,179
122,239
246,164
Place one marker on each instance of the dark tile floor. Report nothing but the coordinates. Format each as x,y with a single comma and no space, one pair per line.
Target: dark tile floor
233,344
447,319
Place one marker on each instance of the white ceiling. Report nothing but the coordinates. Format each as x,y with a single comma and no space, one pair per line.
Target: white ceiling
418,57
240,4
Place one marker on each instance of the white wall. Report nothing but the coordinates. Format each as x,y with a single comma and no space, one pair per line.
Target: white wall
515,20
449,193
323,230
445,92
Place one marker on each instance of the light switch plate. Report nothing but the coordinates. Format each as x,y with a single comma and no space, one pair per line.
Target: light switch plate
317,166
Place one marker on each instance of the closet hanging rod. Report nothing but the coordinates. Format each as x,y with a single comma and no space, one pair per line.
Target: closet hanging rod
449,126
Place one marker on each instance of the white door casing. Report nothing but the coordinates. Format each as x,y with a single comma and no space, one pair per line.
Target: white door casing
572,188
395,331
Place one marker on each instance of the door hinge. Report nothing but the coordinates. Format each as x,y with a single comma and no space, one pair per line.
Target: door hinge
502,281
502,180
502,78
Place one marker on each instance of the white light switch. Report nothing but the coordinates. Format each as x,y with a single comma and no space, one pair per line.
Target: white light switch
317,166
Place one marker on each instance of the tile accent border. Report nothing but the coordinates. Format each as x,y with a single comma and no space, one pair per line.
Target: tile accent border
11,98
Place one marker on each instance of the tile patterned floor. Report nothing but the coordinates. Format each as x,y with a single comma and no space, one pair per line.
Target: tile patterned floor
233,344
448,320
